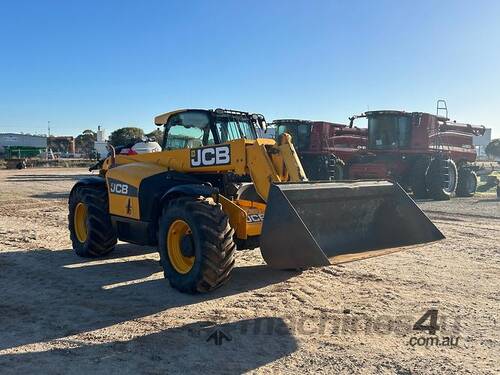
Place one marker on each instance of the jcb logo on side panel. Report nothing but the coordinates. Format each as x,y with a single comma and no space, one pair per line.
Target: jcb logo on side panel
121,188
255,218
207,156
118,188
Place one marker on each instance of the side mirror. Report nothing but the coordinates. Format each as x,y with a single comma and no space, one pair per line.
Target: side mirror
263,124
260,120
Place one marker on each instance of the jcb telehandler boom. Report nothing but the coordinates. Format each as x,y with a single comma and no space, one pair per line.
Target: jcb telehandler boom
221,187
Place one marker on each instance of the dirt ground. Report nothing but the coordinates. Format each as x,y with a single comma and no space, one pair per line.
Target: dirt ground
64,314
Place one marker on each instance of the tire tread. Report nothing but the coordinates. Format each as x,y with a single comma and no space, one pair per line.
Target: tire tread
216,242
101,237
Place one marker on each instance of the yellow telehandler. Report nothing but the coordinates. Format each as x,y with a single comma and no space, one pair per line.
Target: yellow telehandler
217,186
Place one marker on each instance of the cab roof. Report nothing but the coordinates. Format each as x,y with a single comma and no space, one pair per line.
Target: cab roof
161,120
387,112
285,120
305,122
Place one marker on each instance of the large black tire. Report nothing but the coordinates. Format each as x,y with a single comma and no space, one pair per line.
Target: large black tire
209,245
100,235
441,179
323,167
467,182
417,178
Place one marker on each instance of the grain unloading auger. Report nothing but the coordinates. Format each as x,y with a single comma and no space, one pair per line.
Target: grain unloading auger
217,186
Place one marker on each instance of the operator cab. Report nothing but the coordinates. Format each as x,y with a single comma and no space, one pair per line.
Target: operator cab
300,130
389,130
193,128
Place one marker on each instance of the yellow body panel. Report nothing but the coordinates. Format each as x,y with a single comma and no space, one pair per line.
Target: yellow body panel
245,217
254,215
134,173
124,206
127,205
261,169
291,159
237,216
180,160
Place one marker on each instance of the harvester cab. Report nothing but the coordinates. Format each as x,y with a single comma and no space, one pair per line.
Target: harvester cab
389,130
426,153
299,130
315,142
217,185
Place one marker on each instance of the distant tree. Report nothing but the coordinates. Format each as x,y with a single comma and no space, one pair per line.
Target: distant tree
157,134
56,145
493,148
124,136
84,143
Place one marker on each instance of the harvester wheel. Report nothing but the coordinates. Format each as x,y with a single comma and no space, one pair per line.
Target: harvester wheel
467,182
442,179
417,178
90,227
196,244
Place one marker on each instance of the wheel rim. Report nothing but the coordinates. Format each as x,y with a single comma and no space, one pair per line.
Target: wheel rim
176,233
452,180
80,221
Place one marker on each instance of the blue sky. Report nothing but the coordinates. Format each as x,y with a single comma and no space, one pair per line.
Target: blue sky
80,64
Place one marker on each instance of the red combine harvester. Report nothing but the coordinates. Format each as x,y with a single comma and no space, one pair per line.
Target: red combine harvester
323,147
427,154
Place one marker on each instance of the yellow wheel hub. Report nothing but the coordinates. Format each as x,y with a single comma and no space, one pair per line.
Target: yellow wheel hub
80,222
176,233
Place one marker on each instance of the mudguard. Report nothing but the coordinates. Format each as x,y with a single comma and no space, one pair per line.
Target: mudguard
89,181
191,190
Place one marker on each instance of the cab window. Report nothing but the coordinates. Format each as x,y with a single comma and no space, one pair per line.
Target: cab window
229,129
301,133
188,130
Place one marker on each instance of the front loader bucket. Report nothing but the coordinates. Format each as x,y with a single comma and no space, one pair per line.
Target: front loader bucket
306,224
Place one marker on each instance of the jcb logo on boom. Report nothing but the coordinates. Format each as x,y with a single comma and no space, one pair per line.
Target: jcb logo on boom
207,156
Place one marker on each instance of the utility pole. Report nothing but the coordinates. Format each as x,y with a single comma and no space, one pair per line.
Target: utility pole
48,137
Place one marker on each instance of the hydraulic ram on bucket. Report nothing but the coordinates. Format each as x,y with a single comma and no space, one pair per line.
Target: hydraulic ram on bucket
308,223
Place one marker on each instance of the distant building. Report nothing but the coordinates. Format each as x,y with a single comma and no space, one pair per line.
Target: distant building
22,145
23,140
481,141
100,145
